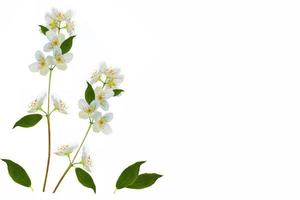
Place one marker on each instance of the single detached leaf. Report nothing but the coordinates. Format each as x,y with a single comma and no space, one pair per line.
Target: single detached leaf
43,29
85,179
144,181
89,93
28,121
17,173
129,175
67,45
117,92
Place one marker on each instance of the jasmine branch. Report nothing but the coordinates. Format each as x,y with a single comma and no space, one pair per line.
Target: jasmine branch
72,162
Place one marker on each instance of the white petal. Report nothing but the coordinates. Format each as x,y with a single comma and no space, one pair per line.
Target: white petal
59,153
42,97
62,66
104,105
63,111
83,115
50,60
44,71
107,129
121,77
98,90
61,37
84,153
39,55
108,117
68,57
117,70
94,104
47,47
57,51
87,168
82,104
72,147
50,35
68,14
34,67
95,114
54,98
109,93
32,110
96,128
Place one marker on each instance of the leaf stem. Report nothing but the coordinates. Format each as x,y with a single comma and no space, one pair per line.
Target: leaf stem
49,132
71,164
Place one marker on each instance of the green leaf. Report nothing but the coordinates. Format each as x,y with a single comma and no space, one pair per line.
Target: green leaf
43,29
85,179
28,121
17,173
144,181
67,44
117,92
89,93
129,175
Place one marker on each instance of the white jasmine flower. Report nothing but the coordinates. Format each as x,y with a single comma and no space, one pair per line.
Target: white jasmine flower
101,123
42,64
36,104
59,105
60,60
86,160
55,40
111,76
101,96
87,110
61,16
65,150
97,75
58,20
114,78
51,22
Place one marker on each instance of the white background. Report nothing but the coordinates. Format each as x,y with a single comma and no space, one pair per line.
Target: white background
212,97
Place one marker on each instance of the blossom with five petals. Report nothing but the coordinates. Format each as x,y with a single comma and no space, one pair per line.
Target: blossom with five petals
101,96
55,40
87,110
101,123
42,64
60,60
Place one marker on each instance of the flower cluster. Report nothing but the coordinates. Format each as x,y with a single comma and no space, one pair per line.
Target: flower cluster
109,79
106,81
109,76
56,21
